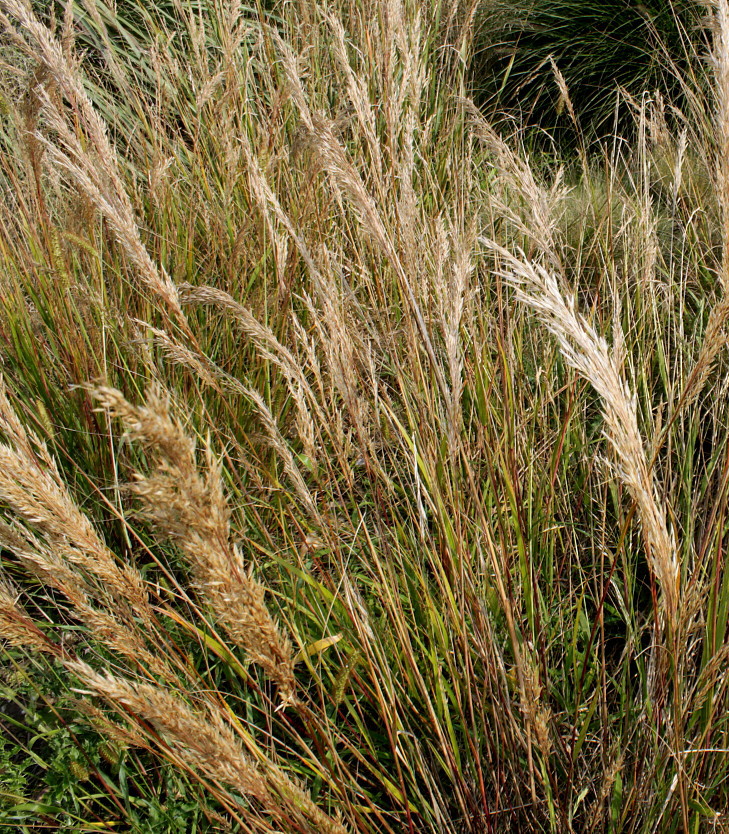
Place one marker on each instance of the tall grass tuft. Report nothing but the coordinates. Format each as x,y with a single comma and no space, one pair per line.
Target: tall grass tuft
358,472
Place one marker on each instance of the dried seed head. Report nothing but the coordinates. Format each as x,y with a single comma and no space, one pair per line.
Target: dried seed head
187,504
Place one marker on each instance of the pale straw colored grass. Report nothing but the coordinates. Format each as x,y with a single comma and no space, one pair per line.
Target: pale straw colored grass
84,151
386,491
188,506
590,354
715,336
206,742
17,627
58,544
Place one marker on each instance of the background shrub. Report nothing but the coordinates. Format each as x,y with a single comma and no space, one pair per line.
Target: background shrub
600,47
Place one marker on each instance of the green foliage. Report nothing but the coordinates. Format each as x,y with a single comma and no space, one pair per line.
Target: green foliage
604,49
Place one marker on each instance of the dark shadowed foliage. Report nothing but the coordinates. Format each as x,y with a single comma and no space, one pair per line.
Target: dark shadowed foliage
600,47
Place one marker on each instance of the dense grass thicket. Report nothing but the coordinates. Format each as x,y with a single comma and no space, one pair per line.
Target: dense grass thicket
361,468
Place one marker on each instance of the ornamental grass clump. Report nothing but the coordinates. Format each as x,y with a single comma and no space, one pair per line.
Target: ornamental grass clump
56,543
360,471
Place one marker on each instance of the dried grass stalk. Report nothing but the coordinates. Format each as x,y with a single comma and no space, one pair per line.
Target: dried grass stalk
56,540
207,743
86,154
715,335
18,628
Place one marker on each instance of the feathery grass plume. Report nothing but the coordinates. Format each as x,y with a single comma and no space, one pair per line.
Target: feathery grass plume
358,96
347,181
271,207
123,736
279,444
194,360
310,414
206,742
715,335
344,348
564,93
32,487
537,714
271,349
453,271
720,60
190,508
36,494
647,220
538,204
589,354
262,336
100,606
18,628
86,152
